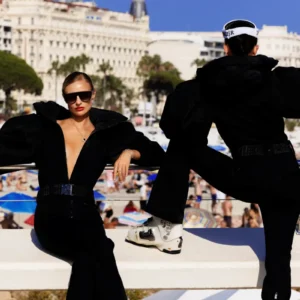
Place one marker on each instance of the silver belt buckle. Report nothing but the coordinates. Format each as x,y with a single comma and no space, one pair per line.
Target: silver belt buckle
67,189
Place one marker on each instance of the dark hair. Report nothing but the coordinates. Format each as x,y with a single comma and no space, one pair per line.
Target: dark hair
75,76
243,44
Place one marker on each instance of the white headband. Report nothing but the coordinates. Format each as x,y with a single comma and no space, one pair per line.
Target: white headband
229,33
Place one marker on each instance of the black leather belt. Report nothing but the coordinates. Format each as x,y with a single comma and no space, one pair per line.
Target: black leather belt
268,149
65,190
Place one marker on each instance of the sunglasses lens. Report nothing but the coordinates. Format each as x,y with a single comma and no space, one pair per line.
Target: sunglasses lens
84,96
70,98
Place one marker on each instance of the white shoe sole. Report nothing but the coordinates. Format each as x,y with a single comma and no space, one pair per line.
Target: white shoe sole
172,247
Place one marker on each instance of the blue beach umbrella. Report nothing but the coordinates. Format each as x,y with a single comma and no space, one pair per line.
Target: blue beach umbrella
218,147
19,207
16,196
35,172
152,177
18,203
98,196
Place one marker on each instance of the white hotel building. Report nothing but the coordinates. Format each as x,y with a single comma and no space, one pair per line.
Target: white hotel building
44,31
181,48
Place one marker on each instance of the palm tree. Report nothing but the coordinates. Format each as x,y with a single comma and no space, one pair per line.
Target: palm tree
290,125
159,77
74,64
56,68
198,62
83,60
105,68
149,64
116,90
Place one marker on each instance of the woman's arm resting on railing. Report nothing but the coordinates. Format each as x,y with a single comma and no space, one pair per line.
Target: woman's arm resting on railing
126,137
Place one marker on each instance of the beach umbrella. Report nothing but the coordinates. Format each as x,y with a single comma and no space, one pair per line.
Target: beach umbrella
34,172
134,218
16,197
152,177
198,218
18,203
98,196
19,206
218,147
30,220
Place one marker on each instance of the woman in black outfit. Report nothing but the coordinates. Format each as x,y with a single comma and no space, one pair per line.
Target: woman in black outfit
246,96
71,148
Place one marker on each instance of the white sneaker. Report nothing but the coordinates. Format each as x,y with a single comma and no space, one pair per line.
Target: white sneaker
156,232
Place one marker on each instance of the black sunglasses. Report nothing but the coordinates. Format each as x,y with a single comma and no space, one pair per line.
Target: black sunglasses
85,96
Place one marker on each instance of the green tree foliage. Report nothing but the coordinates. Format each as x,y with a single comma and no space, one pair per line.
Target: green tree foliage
56,70
198,62
77,63
16,74
112,93
290,124
159,77
139,294
40,295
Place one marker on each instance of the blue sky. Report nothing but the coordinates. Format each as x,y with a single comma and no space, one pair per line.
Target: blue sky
210,15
